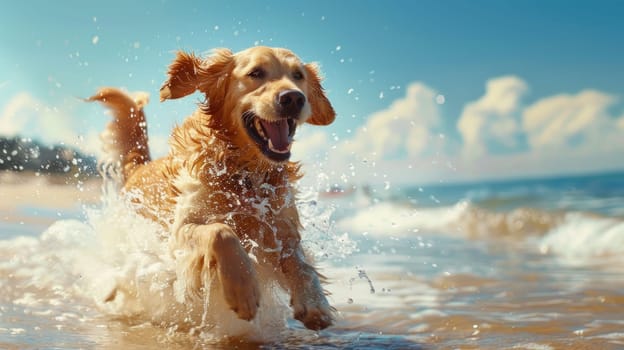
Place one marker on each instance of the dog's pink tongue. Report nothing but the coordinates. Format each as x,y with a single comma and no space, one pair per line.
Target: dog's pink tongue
278,134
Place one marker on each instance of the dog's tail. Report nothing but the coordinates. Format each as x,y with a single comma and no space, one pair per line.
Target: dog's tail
125,137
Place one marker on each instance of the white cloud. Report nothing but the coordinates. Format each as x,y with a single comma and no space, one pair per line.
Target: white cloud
71,122
531,164
555,135
564,133
310,143
26,116
11,121
404,128
573,122
493,117
386,145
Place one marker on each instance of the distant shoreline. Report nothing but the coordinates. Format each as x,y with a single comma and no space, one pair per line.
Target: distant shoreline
20,154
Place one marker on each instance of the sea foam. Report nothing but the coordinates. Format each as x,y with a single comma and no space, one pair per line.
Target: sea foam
584,239
575,237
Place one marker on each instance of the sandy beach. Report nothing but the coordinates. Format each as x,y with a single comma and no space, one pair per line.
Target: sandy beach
18,189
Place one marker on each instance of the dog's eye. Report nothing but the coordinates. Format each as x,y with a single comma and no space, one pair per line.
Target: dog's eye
257,73
297,75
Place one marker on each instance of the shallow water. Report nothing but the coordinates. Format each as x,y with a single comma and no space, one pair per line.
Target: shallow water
524,265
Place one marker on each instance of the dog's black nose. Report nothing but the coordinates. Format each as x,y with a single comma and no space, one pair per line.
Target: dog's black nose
290,103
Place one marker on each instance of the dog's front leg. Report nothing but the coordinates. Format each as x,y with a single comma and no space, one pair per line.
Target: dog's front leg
216,248
307,296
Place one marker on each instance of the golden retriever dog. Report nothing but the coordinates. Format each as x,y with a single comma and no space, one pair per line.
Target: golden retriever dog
227,184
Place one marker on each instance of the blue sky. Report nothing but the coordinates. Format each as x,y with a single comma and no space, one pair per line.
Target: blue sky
425,90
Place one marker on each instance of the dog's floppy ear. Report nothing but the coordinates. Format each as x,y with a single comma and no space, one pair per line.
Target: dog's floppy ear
322,111
182,76
188,73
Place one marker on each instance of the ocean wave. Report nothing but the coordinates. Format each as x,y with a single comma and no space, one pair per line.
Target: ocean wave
463,218
476,222
583,239
574,236
400,219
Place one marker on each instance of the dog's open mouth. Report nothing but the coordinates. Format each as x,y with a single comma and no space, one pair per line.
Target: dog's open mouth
274,138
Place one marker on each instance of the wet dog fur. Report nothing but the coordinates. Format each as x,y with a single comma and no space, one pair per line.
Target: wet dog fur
227,184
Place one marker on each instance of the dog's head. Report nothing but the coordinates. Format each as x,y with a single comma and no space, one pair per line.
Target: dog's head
257,96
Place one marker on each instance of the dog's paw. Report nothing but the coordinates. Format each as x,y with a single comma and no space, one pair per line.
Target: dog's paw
216,256
240,285
313,310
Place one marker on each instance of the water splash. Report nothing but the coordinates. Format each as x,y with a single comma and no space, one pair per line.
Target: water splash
319,234
362,275
120,263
